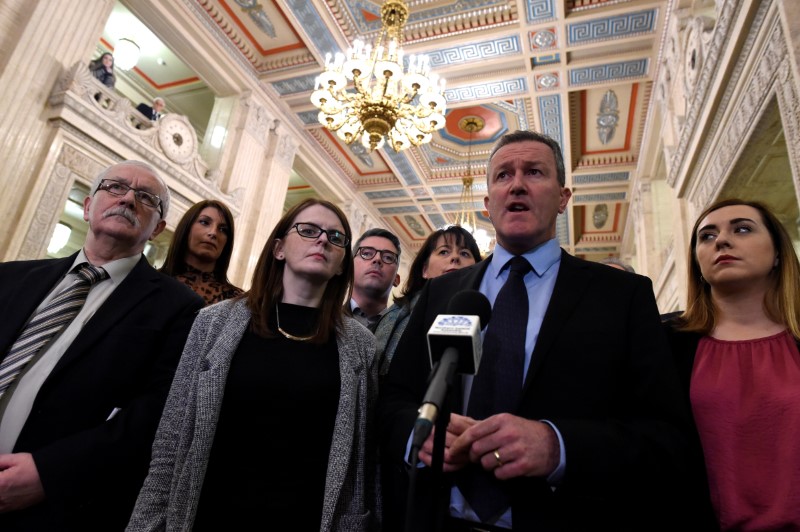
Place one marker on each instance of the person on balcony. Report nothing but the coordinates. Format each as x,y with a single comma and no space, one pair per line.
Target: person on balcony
103,69
152,112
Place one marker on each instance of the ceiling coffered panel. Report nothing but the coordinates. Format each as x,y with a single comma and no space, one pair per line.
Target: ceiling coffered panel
579,70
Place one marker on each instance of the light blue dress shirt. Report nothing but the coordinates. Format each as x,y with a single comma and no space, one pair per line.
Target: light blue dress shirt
539,283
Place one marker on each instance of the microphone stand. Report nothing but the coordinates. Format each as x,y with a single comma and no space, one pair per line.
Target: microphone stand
441,491
441,487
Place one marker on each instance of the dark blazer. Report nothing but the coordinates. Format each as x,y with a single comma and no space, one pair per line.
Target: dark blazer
92,468
600,372
147,111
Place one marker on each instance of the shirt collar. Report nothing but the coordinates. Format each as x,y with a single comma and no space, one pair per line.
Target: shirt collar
541,258
117,269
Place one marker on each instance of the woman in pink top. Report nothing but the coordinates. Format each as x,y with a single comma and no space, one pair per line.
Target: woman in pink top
736,347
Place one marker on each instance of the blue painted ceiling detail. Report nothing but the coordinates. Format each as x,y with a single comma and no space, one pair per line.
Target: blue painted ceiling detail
470,53
309,117
609,72
398,210
542,60
616,27
312,24
438,220
295,85
591,198
455,207
404,169
386,194
540,11
586,179
497,89
517,107
550,115
478,186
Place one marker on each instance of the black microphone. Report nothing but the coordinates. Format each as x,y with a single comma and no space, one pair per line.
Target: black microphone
454,345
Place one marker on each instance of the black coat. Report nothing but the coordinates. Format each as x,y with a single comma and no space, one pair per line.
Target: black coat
124,357
600,372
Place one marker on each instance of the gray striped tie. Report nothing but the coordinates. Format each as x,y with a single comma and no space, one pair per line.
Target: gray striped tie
48,322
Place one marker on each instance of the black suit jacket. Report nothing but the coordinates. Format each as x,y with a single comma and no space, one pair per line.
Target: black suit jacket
601,372
147,111
124,357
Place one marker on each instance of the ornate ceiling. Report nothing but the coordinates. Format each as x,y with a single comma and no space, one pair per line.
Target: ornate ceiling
579,70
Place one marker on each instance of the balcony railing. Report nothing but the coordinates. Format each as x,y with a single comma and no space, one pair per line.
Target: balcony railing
169,143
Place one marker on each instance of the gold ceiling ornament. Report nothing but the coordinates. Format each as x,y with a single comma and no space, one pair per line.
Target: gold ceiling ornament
387,101
466,217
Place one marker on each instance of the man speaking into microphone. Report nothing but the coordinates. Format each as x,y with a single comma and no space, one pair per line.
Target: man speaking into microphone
574,420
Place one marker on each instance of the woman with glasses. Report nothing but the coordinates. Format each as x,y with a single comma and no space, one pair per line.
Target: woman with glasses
444,251
736,347
200,251
268,423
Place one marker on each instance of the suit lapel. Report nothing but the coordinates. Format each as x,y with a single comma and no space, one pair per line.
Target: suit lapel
475,274
138,285
25,294
571,282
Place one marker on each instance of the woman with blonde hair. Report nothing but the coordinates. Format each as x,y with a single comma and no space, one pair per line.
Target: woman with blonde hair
736,347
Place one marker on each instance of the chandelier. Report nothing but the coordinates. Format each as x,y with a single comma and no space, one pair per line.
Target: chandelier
387,101
466,217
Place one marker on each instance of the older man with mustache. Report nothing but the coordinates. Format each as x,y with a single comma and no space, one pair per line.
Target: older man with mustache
88,347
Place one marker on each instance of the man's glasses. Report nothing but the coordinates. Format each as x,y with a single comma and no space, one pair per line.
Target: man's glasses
306,230
387,257
115,188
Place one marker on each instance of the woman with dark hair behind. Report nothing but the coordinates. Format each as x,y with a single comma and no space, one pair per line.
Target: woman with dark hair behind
268,422
103,69
445,250
200,251
736,347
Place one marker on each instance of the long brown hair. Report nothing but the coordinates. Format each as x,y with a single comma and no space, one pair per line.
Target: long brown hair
267,287
175,263
780,301
455,235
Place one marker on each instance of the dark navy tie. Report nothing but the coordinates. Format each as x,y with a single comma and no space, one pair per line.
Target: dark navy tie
498,385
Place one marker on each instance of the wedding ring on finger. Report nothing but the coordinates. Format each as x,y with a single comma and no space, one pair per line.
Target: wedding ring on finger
497,457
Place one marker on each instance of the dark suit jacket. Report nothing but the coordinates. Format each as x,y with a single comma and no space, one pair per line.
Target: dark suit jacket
147,111
125,357
601,372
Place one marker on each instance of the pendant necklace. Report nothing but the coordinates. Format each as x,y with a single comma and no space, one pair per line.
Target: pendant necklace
286,334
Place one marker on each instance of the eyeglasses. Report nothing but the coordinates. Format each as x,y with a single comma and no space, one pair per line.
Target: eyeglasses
307,230
387,257
115,188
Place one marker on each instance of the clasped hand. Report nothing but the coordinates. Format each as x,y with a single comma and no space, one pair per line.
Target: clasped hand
509,446
20,485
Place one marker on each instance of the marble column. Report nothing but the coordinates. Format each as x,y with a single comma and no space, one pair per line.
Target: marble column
39,40
260,158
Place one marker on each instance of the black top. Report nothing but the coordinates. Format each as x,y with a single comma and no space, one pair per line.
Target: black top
269,460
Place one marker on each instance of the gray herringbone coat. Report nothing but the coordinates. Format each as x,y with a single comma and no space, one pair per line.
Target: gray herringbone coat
168,500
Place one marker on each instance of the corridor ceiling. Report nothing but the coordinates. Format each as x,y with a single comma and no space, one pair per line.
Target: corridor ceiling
580,71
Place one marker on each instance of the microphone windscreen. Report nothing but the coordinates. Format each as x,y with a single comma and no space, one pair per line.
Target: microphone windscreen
471,303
